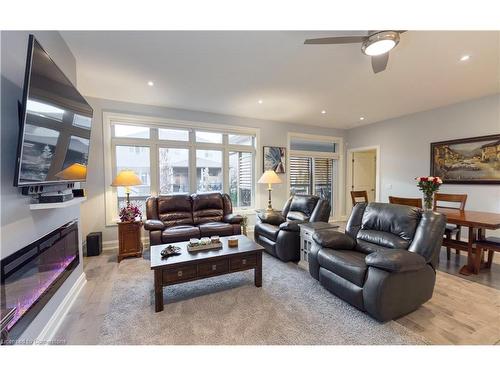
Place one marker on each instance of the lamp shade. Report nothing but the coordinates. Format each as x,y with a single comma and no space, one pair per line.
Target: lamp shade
269,177
75,171
126,178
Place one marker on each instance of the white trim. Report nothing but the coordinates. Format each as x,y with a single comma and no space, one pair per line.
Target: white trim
112,245
349,173
339,195
56,319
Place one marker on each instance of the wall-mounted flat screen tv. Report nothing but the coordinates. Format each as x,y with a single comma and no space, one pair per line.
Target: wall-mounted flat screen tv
56,120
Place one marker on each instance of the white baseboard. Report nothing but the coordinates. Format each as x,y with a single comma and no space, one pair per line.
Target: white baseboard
109,246
54,323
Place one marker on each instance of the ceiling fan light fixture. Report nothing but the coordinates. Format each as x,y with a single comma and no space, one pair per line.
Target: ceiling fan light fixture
380,43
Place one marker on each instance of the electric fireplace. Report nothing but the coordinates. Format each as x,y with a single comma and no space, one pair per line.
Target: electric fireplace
32,275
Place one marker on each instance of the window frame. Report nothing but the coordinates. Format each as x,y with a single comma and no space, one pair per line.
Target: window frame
154,123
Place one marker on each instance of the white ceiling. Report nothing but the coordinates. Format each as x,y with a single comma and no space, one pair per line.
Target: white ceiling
229,71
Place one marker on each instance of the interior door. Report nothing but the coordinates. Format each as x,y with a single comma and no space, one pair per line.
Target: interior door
364,172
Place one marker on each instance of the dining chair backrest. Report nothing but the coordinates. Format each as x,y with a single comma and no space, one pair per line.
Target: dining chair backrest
359,194
450,198
413,202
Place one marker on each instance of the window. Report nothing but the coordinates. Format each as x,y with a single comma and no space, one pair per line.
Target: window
174,170
173,134
208,170
139,163
240,178
131,131
208,137
323,178
173,157
300,175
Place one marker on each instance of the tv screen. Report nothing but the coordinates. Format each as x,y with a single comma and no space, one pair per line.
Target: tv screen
56,120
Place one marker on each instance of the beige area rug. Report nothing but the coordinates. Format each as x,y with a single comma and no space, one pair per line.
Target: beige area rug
290,308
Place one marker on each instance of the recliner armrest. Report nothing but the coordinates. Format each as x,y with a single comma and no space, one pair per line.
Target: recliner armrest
154,225
292,225
334,240
233,219
396,260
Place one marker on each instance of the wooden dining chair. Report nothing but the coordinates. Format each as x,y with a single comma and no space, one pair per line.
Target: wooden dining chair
451,229
359,194
490,244
413,202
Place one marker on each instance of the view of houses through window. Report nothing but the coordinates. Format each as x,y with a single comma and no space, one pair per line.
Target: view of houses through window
184,161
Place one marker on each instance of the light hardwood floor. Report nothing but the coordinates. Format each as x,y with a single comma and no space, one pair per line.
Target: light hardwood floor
460,312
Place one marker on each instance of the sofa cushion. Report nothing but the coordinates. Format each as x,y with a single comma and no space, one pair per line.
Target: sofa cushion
175,209
347,264
302,207
207,207
269,231
180,233
384,239
216,229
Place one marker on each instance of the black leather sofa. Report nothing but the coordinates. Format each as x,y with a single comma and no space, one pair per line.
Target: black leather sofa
279,233
179,217
385,262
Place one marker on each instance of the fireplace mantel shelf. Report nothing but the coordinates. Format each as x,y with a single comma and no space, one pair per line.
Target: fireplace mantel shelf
45,206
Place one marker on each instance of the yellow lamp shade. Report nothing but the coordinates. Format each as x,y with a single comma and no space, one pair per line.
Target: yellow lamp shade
126,178
75,171
269,177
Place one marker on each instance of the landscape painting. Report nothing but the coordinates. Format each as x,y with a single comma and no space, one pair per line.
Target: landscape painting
467,161
275,159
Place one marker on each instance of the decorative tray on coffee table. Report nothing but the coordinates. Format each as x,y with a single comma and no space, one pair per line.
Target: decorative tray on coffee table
204,244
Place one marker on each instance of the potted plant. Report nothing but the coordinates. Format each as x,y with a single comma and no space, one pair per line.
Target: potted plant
244,224
130,213
428,185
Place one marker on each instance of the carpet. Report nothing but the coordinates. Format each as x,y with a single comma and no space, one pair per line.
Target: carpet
291,308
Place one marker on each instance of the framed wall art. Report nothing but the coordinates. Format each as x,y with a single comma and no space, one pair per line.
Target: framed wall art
275,159
467,161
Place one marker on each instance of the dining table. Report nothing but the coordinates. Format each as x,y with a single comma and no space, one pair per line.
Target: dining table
477,222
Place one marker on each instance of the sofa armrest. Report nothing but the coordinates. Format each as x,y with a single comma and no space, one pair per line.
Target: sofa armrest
333,239
272,217
396,260
292,225
233,219
154,225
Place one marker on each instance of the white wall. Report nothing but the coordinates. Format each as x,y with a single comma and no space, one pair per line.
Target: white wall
405,147
19,225
271,134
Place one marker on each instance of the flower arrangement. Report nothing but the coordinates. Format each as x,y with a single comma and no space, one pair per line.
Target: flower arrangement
129,213
428,185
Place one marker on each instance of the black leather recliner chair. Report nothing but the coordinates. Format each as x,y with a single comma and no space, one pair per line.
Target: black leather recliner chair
385,262
279,234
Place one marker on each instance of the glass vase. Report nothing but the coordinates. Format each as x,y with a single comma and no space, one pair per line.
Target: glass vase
428,201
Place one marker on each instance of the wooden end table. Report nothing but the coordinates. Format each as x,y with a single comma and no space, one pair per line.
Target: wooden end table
189,266
129,240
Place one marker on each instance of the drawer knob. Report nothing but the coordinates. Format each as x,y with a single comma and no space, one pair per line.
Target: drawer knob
244,261
214,267
179,273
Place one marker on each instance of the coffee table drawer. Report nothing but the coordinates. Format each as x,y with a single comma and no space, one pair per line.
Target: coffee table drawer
242,262
213,268
179,274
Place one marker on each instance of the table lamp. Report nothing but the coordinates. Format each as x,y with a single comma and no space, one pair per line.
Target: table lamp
126,178
269,177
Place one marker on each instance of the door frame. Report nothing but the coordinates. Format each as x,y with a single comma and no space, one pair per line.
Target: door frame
348,179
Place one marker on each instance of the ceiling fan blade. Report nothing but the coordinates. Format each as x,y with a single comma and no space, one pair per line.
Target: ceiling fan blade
336,40
379,63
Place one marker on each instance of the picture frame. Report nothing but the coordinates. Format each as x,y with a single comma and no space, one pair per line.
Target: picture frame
274,159
474,160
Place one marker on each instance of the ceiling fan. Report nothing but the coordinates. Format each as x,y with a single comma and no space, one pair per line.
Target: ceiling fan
375,44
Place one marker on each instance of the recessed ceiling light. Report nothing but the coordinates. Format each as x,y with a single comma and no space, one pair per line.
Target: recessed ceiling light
465,58
361,118
323,112
151,83
260,101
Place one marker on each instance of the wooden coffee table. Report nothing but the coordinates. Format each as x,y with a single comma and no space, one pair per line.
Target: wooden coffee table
189,266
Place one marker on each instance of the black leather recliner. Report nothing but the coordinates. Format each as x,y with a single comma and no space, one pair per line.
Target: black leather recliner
279,233
385,262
